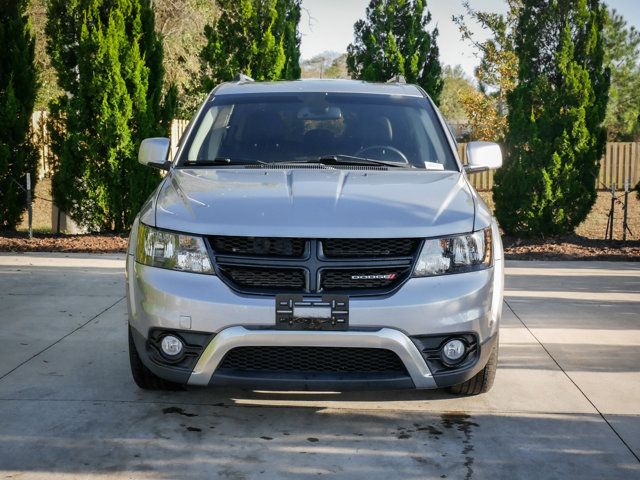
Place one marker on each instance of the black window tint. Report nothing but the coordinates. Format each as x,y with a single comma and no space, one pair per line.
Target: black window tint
304,126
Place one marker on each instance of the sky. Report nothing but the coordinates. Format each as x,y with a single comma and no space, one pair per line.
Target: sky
327,25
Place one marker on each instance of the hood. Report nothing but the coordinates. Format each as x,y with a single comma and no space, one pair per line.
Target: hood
315,203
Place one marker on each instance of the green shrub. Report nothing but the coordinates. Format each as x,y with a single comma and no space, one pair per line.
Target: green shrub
393,40
108,58
555,137
18,88
259,38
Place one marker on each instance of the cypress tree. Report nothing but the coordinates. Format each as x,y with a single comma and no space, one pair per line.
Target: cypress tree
622,55
394,40
18,88
291,37
555,138
109,63
257,37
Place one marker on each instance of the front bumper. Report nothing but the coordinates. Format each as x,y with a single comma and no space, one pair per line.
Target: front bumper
385,338
444,305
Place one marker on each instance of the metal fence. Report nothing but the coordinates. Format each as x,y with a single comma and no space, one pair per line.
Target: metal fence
620,163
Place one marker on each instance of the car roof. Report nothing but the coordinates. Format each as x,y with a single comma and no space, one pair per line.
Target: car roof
318,86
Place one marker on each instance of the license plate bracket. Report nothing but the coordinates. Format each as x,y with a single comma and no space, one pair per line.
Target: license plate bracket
296,312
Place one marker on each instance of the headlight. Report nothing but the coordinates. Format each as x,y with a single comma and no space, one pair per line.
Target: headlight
463,253
174,251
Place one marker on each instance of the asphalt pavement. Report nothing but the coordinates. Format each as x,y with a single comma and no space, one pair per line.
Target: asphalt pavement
565,405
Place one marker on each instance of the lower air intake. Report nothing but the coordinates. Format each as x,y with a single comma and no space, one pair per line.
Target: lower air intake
313,359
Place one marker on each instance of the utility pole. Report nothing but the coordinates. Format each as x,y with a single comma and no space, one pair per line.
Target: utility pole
29,206
625,225
609,231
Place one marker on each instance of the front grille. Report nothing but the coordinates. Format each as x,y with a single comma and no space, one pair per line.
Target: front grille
259,246
313,359
272,265
265,278
359,279
369,247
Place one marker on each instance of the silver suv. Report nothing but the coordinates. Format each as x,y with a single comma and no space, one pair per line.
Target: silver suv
315,235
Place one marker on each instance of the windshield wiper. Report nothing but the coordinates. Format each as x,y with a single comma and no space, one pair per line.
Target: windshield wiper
337,159
224,161
341,159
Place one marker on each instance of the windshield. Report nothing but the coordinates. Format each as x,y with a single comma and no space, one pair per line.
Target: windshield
297,127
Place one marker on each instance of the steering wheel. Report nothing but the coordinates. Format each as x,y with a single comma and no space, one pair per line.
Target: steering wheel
382,148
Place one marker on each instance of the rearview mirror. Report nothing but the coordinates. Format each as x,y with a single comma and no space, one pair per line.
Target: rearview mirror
320,113
154,152
483,156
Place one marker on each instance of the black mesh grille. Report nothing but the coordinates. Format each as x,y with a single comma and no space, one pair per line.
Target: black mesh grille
252,277
259,246
313,359
357,279
271,265
369,247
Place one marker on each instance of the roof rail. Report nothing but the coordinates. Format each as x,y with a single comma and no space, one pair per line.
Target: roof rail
242,78
397,79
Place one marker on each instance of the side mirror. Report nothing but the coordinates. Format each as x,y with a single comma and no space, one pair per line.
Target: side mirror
483,156
154,152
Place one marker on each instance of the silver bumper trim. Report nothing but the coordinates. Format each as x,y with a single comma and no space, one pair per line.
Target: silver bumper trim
386,338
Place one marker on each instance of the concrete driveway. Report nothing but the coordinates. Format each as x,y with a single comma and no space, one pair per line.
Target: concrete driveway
566,403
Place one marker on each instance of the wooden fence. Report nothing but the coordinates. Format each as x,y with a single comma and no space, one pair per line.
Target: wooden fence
482,181
42,140
620,163
178,128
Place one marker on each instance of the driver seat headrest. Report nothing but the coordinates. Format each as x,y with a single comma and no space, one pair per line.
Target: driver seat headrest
265,127
377,131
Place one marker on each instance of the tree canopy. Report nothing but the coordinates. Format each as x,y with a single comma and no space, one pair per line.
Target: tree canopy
497,72
18,88
555,137
622,56
181,24
108,59
393,40
259,38
456,85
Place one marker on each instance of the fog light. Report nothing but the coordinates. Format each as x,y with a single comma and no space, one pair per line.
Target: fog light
453,350
171,346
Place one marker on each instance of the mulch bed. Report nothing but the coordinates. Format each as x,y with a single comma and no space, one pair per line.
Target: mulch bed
20,242
565,248
571,248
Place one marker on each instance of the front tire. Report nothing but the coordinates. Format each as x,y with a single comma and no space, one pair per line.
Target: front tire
145,378
483,380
